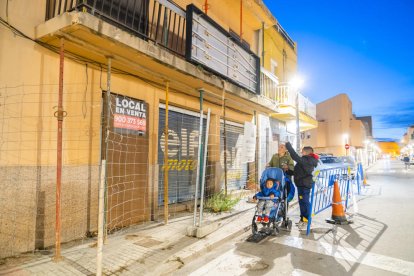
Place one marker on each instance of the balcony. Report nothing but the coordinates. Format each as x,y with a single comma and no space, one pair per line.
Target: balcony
285,97
159,21
127,29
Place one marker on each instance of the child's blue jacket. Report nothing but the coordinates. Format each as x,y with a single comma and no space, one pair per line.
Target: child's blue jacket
267,192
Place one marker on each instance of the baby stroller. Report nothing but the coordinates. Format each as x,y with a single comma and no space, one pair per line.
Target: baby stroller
278,214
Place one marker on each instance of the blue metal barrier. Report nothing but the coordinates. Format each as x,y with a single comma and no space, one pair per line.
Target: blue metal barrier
359,177
322,190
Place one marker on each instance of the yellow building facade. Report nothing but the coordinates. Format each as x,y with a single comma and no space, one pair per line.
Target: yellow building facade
60,67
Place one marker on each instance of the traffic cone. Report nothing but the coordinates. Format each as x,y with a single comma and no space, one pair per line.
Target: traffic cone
338,214
365,181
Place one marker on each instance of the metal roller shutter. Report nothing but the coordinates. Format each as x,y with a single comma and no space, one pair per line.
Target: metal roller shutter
182,154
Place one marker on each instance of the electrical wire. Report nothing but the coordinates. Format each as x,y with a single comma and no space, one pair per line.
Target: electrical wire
82,60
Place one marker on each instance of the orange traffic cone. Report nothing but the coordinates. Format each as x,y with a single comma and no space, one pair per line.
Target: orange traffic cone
365,181
338,214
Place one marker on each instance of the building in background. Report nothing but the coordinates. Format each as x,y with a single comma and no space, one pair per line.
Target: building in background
407,142
367,121
98,73
339,132
388,146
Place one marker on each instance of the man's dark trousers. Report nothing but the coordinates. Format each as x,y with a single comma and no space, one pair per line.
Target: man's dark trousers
304,204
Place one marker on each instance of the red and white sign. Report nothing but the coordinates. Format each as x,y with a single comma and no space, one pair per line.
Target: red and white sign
130,114
129,122
346,146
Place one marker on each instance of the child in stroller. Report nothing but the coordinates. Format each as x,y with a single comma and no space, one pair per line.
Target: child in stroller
273,195
271,190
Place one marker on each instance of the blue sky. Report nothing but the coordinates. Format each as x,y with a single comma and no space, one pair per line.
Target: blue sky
364,48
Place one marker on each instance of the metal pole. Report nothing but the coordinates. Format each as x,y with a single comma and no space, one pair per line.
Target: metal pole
206,6
203,180
225,148
59,115
298,149
166,167
108,127
101,212
200,136
256,161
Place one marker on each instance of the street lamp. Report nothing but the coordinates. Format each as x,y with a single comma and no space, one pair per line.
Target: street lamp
296,83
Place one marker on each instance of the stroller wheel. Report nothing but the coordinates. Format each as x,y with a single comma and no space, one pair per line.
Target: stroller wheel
275,230
254,226
288,224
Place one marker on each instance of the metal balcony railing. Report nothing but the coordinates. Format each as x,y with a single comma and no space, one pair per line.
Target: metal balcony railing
160,21
284,94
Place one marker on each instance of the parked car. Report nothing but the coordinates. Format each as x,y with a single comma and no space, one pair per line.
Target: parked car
331,162
349,161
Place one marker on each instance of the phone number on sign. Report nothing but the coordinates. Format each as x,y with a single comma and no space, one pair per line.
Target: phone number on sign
129,122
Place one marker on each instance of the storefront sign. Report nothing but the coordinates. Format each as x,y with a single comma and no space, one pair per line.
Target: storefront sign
130,114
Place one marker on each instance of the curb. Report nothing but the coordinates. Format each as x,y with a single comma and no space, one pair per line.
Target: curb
202,246
206,244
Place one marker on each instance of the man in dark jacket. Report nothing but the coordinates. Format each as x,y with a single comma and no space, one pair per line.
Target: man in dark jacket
302,175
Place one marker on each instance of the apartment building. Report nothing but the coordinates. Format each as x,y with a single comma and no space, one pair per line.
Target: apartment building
337,127
85,87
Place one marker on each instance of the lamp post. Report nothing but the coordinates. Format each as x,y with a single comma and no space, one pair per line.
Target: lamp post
297,122
296,83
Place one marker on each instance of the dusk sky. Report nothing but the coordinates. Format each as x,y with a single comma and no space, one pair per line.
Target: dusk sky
364,48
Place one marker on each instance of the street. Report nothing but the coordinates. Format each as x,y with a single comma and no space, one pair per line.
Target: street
380,241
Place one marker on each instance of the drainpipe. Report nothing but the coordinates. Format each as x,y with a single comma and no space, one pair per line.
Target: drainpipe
241,20
263,51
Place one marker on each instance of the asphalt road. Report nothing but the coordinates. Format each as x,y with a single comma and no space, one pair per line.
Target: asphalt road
379,242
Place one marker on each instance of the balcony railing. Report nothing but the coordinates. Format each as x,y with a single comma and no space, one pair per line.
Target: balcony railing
160,21
306,106
284,94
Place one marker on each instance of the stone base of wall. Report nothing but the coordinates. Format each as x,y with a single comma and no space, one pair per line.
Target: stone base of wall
28,206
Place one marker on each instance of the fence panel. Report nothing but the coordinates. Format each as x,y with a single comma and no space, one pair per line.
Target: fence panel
28,150
322,191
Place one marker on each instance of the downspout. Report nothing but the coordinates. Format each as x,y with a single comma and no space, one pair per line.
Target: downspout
263,51
241,20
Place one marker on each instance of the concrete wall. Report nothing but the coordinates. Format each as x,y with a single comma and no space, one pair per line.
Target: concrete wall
337,126
357,134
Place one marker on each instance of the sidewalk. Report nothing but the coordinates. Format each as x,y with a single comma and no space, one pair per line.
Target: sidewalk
156,249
